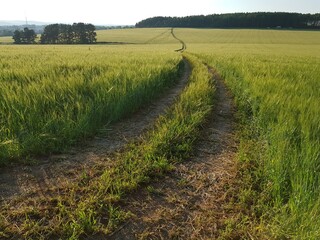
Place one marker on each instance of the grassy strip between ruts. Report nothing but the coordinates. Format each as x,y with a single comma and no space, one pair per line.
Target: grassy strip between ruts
90,207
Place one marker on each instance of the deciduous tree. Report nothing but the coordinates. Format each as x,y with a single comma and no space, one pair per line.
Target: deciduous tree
26,36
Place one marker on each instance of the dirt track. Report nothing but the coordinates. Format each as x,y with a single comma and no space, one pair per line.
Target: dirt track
57,171
183,44
188,204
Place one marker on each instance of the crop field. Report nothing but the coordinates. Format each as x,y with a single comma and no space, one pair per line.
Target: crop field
137,36
127,36
52,97
6,40
274,76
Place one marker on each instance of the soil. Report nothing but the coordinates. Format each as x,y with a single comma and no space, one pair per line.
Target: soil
189,203
59,170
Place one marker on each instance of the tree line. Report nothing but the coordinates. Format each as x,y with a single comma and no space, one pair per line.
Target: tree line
77,33
238,20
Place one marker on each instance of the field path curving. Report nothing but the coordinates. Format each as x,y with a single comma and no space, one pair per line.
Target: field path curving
183,44
189,202
57,171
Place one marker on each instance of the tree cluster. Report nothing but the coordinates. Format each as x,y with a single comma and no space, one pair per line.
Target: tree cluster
77,33
238,20
25,36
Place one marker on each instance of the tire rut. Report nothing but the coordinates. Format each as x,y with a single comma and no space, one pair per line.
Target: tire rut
156,37
183,44
189,202
59,170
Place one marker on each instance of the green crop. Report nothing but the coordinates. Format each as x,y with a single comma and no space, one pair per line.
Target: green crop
137,36
274,76
52,96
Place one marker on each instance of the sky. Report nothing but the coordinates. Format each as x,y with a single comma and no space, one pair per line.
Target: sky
129,12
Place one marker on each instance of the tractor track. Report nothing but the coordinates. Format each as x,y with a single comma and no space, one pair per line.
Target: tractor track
189,203
183,44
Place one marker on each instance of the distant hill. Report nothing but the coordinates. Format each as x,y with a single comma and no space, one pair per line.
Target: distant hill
7,28
20,22
238,20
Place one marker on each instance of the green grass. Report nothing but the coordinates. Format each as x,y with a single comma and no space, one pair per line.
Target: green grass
52,96
275,79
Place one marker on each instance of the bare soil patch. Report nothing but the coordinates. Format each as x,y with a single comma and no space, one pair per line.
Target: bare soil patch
189,203
59,170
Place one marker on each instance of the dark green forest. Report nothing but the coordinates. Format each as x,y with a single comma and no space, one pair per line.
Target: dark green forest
238,20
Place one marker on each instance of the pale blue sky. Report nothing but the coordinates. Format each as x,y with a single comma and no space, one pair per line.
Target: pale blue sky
130,12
